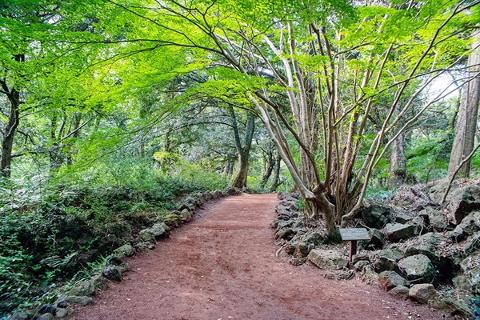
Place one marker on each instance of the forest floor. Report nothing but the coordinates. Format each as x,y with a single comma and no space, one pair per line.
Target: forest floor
223,266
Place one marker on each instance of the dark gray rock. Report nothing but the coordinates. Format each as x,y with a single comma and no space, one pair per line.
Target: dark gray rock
433,246
299,225
314,238
391,279
286,234
47,308
469,226
397,231
377,239
386,259
423,293
327,259
376,216
463,201
112,273
186,215
189,203
61,313
428,244
339,275
46,316
83,288
124,251
400,292
287,207
285,224
146,235
68,300
159,230
403,217
359,265
300,249
417,268
114,259
472,244
420,225
365,255
369,275
140,246
437,220
471,270
99,281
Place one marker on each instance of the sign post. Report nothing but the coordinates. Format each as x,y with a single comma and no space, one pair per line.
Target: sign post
353,235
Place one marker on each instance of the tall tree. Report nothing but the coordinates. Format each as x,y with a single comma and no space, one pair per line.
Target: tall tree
467,116
316,72
10,128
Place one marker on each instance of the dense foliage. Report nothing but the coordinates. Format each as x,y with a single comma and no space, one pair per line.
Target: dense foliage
110,111
48,241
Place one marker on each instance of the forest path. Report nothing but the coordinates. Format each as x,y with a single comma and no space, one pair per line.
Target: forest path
223,266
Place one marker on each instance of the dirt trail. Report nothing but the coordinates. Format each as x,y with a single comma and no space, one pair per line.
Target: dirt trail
223,266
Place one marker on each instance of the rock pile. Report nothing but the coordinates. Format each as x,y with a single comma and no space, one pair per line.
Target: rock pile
290,231
419,249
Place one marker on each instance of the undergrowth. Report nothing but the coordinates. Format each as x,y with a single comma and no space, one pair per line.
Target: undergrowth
55,230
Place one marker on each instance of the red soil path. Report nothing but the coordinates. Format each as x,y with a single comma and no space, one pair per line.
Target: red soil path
223,266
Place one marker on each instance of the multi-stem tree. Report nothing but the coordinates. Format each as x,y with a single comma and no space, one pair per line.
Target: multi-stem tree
317,72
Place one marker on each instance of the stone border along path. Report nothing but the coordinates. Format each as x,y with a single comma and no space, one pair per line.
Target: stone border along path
223,266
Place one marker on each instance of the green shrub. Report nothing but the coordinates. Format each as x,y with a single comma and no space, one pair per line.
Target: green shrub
79,217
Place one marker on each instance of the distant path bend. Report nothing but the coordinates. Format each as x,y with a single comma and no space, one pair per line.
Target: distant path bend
223,266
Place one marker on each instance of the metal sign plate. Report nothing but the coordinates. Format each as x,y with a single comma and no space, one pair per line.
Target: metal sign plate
350,234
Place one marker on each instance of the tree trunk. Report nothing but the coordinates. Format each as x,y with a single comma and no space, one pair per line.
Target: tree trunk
9,134
13,96
321,206
75,135
466,124
240,178
269,166
228,170
55,152
398,162
276,174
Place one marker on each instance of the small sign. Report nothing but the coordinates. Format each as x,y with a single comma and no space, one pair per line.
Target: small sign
352,234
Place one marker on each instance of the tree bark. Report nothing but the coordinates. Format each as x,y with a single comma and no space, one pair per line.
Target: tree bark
240,178
13,96
466,124
228,168
269,166
9,134
322,206
276,174
398,162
